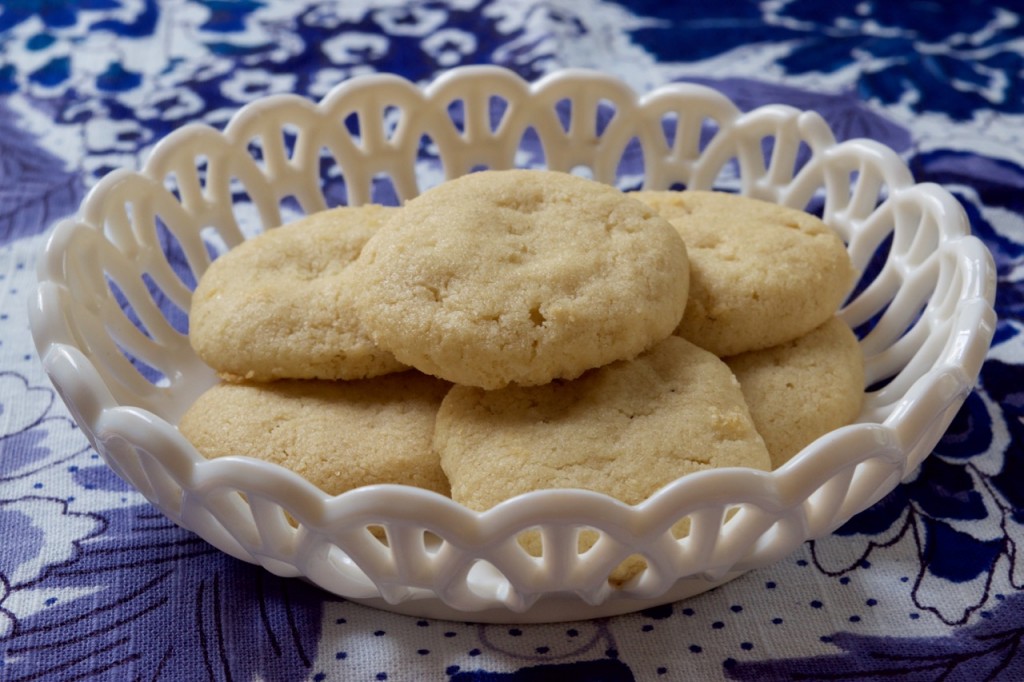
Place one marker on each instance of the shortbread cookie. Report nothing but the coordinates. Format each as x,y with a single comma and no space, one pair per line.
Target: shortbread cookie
802,389
521,277
279,305
339,435
761,274
625,429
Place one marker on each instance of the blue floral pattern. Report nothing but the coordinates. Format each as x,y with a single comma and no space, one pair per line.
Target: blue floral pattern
988,650
927,584
214,610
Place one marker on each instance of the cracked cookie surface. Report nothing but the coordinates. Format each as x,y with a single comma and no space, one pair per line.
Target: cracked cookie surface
625,429
802,389
280,304
339,435
521,277
760,274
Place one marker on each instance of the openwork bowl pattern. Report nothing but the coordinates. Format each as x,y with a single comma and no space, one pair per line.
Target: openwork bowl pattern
110,323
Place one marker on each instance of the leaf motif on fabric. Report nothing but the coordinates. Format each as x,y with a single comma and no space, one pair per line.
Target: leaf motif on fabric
28,517
35,187
171,604
986,650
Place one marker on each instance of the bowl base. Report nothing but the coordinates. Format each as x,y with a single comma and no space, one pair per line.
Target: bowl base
549,608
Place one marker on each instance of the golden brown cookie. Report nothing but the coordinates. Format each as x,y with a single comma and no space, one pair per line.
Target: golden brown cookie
760,274
802,389
339,435
521,277
625,429
279,305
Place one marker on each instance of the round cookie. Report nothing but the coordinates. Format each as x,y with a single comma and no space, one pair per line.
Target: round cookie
802,389
760,274
279,305
339,435
521,276
625,429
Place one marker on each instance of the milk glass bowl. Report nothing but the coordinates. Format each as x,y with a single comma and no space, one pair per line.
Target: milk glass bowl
110,324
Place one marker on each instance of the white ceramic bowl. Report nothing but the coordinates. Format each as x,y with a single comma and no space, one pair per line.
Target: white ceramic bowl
109,323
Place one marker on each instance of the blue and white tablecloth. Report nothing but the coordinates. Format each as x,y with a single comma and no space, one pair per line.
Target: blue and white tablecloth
94,584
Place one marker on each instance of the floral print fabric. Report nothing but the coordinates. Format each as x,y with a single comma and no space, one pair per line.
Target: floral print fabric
94,584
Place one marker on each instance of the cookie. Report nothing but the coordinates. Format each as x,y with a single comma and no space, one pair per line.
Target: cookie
339,435
802,389
625,429
279,305
521,276
760,274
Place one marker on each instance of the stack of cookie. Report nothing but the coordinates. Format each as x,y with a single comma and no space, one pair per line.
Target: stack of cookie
765,284
515,330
